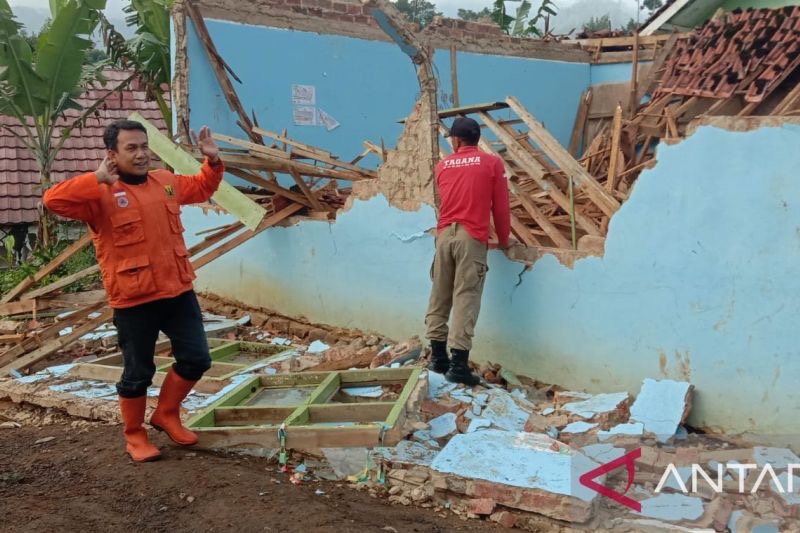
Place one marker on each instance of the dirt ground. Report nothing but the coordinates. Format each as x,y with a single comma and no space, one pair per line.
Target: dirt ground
82,481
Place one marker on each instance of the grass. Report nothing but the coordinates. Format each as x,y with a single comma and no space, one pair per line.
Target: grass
11,277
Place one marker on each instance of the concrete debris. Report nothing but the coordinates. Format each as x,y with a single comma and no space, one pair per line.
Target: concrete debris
443,426
605,409
744,522
673,507
409,453
635,429
505,413
478,423
602,453
627,525
317,347
578,427
562,398
778,458
662,406
717,514
519,471
548,411
510,378
504,518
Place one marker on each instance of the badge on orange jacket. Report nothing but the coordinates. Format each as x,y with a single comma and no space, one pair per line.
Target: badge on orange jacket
170,190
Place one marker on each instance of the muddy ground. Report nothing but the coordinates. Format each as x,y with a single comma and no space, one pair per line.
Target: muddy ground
82,481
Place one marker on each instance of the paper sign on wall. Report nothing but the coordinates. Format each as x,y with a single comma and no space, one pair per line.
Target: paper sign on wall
304,115
304,95
326,120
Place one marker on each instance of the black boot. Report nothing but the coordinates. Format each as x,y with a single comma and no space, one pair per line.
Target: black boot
439,360
459,369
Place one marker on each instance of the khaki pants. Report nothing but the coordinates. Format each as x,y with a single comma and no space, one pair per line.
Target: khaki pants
458,272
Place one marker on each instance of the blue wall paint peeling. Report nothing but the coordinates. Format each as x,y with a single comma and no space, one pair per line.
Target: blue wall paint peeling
698,282
698,277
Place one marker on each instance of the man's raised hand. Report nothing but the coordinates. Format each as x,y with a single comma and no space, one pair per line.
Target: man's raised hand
205,142
107,172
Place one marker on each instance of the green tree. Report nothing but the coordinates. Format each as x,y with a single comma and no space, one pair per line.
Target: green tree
468,14
37,85
516,25
652,5
598,24
147,53
418,11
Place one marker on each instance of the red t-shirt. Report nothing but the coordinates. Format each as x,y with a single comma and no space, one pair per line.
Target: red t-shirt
473,186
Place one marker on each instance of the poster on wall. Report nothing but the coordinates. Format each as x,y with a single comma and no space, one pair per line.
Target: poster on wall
304,95
304,115
326,120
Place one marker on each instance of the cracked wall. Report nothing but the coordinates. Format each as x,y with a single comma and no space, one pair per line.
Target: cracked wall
706,291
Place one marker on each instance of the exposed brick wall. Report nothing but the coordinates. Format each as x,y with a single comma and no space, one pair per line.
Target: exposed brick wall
353,19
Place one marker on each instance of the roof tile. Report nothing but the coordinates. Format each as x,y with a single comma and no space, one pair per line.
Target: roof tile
82,152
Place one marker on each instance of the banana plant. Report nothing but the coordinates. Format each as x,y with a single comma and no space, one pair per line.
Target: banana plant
516,25
148,51
37,86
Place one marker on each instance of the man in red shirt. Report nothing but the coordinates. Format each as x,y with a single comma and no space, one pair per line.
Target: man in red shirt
472,188
134,216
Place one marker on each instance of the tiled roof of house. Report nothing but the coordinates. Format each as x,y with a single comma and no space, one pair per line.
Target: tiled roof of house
82,152
746,53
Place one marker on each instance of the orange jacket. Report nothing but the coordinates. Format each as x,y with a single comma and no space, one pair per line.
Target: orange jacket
137,230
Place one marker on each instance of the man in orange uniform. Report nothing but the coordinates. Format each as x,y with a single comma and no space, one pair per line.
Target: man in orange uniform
473,190
134,217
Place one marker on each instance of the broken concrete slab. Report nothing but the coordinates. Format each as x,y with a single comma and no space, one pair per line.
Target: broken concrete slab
610,408
504,413
603,453
745,522
443,426
635,429
639,525
778,458
409,453
578,427
478,423
517,470
673,507
317,347
662,406
438,386
786,489
717,513
564,397
548,411
685,475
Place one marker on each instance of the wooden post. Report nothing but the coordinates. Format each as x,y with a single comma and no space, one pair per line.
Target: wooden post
616,132
633,103
454,75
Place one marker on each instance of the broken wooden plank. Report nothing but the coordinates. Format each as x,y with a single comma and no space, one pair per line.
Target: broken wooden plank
227,196
633,102
616,133
544,139
315,203
466,110
535,170
260,161
271,186
522,233
541,219
51,347
48,269
304,154
788,102
291,142
454,75
17,308
218,66
219,236
649,84
576,140
61,283
246,236
228,139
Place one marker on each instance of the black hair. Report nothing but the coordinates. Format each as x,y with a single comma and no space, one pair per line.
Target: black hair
112,131
470,141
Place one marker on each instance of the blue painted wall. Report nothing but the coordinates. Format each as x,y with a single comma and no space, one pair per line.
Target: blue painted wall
610,73
698,281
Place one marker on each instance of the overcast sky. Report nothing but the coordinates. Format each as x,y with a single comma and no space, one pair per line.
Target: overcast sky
572,13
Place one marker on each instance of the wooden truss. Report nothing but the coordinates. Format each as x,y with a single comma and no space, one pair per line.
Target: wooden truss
228,358
312,409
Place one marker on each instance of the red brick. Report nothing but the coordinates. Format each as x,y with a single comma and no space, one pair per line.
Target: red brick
481,506
440,407
504,518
